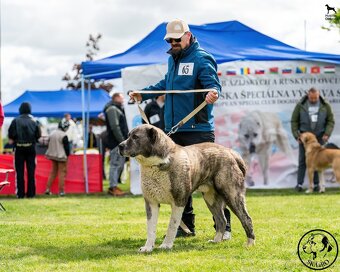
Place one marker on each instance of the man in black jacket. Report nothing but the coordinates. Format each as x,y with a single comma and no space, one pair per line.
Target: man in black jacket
311,114
117,131
155,112
25,132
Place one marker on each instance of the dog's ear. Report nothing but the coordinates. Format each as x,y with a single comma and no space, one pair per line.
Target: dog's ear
305,138
152,134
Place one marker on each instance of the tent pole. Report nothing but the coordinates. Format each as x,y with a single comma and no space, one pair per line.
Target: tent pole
87,129
84,133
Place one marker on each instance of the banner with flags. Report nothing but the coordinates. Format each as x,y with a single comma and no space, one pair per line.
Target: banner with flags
262,103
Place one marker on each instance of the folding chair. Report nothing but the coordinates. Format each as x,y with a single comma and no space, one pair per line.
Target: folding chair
4,183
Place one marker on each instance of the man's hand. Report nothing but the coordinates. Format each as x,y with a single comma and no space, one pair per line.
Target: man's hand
325,138
211,97
134,96
299,140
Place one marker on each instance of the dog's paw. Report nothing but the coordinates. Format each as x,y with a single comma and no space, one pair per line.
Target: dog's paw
250,242
216,240
145,249
213,241
165,246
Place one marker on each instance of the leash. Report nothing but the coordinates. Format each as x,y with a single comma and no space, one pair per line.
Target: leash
174,91
142,113
186,118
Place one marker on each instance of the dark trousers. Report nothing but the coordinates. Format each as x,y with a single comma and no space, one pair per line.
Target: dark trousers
302,166
22,156
185,139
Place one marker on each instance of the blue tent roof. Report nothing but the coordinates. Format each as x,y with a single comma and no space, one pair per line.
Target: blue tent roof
56,103
227,41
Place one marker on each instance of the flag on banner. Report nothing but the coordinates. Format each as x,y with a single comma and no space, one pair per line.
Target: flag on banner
245,71
259,71
301,70
274,70
286,71
231,72
329,69
315,70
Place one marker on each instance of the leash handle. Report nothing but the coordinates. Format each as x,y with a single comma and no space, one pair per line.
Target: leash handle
142,113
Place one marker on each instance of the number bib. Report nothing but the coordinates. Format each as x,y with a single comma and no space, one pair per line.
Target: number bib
186,69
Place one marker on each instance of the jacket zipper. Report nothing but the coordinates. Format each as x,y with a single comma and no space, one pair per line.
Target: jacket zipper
172,96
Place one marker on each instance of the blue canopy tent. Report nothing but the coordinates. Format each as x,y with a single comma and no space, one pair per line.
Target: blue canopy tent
56,103
226,41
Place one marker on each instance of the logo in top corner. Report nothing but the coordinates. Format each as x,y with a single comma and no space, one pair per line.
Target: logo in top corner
331,12
330,9
318,249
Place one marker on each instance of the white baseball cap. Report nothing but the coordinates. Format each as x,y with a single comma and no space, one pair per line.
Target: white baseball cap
176,29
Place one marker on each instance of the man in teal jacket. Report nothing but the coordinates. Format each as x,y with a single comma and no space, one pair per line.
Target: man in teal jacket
189,67
311,114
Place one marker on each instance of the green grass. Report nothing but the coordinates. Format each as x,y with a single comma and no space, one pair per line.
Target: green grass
101,233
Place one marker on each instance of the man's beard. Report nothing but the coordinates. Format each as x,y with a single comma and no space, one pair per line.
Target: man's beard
176,51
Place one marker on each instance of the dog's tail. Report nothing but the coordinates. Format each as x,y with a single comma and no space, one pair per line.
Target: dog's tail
241,164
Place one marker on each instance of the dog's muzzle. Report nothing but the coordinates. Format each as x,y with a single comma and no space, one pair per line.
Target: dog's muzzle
252,148
124,151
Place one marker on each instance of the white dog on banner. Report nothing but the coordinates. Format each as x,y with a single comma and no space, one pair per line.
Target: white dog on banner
258,131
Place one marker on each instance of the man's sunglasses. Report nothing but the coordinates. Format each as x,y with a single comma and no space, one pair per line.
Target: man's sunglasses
170,40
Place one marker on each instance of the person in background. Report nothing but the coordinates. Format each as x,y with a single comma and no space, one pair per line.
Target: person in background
9,147
189,67
311,114
154,111
92,139
2,115
25,132
58,151
117,131
71,132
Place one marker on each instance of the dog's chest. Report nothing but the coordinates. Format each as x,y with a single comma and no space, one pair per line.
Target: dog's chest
156,185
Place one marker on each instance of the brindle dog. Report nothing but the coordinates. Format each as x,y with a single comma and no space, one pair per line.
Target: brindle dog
171,173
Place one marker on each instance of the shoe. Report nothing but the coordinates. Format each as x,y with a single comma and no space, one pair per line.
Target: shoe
316,188
298,188
226,235
182,233
61,194
48,192
115,191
